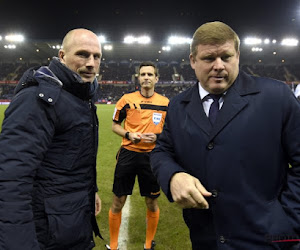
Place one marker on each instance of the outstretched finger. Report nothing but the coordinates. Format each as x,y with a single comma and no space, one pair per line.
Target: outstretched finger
202,189
199,200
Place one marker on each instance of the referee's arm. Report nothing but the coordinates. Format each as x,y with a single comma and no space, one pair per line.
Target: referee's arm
118,129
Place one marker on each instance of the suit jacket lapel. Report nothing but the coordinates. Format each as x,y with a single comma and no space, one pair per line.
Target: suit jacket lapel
234,102
195,111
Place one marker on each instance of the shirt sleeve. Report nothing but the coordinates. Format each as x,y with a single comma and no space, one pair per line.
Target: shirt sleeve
120,110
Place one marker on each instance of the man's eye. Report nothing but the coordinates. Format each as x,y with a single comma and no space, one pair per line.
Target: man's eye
209,59
82,55
225,58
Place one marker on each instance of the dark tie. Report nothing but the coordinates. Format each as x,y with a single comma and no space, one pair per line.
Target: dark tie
214,108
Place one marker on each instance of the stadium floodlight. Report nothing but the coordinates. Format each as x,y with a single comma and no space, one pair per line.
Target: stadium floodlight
252,41
274,41
289,42
102,39
57,46
267,41
10,46
144,40
140,40
179,40
0,38
166,48
129,39
256,49
14,38
108,47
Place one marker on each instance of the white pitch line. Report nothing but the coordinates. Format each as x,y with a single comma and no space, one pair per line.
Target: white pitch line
123,234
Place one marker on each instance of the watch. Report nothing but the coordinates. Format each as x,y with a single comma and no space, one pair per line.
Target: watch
127,135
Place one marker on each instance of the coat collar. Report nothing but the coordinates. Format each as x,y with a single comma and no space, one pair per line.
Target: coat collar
72,82
234,102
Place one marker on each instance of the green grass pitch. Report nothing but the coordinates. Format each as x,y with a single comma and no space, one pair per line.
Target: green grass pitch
172,234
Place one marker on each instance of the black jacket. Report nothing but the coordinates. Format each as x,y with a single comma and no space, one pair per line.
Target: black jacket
48,148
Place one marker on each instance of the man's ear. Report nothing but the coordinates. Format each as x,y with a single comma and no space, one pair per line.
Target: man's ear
192,61
61,55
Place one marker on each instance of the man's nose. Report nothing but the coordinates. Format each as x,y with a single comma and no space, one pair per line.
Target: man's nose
90,61
218,64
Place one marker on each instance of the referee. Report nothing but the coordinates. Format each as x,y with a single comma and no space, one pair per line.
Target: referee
143,113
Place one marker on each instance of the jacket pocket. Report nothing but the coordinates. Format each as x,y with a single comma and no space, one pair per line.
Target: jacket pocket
278,222
69,219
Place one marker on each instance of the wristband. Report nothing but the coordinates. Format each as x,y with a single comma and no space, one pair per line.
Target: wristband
127,135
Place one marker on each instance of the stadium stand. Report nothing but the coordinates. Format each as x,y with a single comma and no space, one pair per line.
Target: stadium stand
115,79
118,73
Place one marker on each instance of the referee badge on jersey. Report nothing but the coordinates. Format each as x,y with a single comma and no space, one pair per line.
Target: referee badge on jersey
156,118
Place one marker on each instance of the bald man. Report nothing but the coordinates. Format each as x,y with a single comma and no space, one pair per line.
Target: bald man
48,148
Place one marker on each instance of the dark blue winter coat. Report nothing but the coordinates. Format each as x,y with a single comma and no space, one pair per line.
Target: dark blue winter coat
48,147
243,160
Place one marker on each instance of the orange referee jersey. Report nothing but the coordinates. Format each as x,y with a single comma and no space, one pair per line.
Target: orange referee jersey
141,114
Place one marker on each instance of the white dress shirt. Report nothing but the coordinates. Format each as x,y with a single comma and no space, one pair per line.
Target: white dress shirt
297,91
207,100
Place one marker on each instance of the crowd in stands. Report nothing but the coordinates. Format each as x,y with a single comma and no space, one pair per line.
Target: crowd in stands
118,78
14,71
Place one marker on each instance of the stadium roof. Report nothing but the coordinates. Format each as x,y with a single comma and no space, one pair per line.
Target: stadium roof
52,19
45,23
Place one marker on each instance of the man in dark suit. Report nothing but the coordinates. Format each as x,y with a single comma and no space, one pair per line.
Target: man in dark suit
229,153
